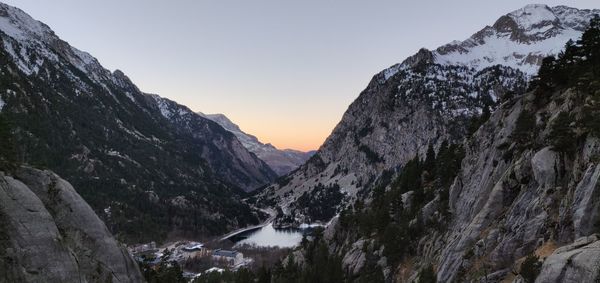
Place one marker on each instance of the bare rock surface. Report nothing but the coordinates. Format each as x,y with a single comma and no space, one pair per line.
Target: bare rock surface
577,262
50,234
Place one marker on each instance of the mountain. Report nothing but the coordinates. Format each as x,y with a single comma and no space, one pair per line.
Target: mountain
282,161
523,203
430,98
154,164
515,199
50,234
231,159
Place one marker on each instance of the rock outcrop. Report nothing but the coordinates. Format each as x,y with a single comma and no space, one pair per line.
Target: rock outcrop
577,262
50,234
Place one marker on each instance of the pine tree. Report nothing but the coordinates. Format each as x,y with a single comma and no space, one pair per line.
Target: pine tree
429,164
525,128
427,275
546,72
591,115
8,153
564,63
530,268
590,42
562,135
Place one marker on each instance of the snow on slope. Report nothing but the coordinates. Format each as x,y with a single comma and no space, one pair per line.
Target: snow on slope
34,35
520,39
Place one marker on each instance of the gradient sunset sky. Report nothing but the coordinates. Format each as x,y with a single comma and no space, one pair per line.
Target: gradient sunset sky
284,71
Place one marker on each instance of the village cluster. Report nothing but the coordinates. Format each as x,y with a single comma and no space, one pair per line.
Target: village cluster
183,251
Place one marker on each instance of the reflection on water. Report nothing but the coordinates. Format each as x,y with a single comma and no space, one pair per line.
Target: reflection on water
270,237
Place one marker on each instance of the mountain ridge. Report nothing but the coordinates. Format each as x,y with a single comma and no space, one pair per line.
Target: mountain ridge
282,161
523,27
114,143
421,101
514,197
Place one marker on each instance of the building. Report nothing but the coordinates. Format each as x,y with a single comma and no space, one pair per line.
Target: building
193,247
232,258
144,248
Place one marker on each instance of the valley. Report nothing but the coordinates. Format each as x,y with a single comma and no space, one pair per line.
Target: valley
250,248
477,161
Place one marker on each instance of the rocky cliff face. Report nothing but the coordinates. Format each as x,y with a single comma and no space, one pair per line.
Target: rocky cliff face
523,207
282,161
430,97
135,154
50,234
507,203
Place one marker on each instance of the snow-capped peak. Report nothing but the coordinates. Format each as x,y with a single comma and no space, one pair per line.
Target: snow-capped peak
533,16
20,26
25,37
520,40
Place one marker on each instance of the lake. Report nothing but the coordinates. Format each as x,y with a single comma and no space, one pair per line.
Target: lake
268,236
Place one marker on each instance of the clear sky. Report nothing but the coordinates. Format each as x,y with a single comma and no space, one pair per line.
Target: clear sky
284,71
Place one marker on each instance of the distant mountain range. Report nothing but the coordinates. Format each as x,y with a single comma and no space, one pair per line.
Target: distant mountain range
282,161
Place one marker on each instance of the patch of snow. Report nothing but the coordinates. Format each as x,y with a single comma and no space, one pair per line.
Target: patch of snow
134,133
85,57
539,30
128,94
215,269
574,18
552,28
20,26
311,225
163,106
391,71
107,211
21,64
533,15
499,49
117,154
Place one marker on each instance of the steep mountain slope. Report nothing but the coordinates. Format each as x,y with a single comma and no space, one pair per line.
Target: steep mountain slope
228,157
282,161
516,201
431,97
50,234
514,196
154,166
527,192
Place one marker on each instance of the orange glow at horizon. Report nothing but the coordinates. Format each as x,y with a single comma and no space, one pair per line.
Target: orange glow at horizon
289,139
299,133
